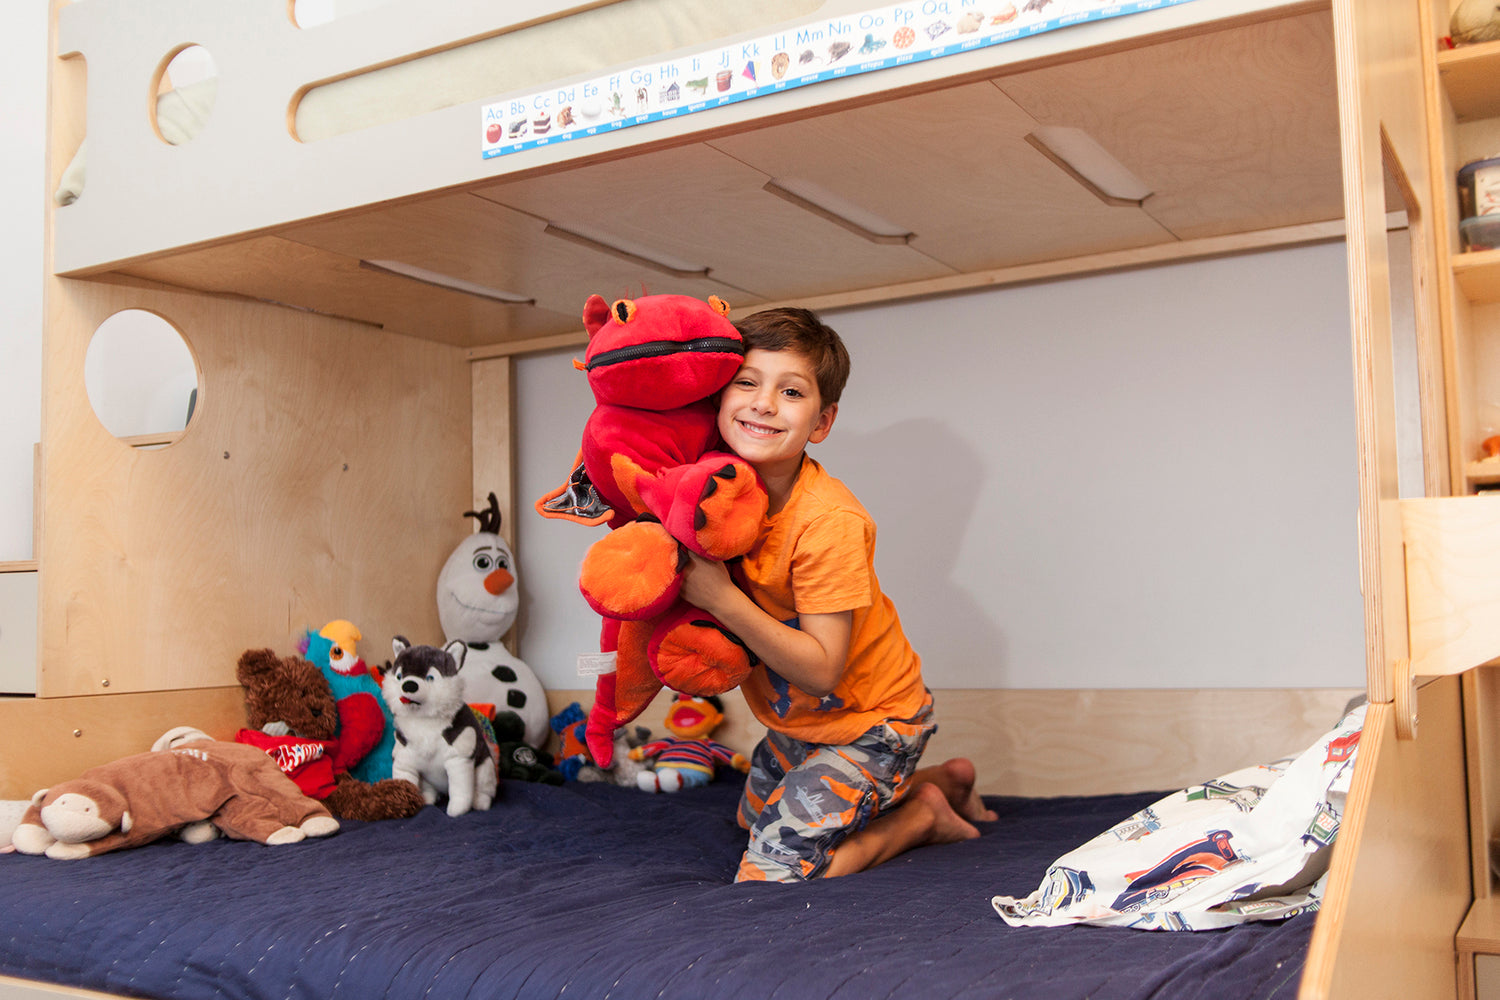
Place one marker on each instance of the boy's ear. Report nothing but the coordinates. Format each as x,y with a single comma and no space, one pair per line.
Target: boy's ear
825,423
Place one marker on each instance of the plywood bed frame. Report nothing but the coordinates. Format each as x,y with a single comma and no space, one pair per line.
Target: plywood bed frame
1259,124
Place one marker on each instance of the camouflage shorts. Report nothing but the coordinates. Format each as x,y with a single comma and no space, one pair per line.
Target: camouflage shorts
802,799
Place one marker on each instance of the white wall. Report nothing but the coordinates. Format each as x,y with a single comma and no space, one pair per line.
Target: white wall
23,81
1132,480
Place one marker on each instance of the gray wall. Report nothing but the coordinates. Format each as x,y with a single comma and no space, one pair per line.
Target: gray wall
1134,480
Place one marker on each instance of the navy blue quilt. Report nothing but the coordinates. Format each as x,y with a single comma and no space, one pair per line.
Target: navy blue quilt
593,891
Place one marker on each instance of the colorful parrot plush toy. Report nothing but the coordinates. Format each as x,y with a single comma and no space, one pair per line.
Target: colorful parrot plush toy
332,650
652,468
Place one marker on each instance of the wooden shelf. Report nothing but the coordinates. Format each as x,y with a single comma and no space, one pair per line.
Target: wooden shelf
1471,76
1482,473
1480,930
1478,273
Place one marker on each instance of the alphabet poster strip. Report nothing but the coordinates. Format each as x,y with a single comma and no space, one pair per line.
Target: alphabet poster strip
796,57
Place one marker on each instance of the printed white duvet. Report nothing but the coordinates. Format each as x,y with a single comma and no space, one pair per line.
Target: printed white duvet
1251,845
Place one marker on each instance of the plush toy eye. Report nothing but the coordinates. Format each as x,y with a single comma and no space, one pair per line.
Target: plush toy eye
335,651
718,305
624,310
482,562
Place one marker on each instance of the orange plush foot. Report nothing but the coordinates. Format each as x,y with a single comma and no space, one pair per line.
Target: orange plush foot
714,506
633,572
694,654
731,506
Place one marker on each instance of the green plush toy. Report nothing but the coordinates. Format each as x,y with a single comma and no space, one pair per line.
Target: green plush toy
520,760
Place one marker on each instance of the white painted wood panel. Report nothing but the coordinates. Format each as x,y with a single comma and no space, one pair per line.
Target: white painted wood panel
18,633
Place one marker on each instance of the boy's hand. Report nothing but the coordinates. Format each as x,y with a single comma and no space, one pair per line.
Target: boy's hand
812,655
705,582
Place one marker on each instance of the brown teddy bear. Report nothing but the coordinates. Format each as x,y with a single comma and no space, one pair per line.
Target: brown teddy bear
138,799
294,718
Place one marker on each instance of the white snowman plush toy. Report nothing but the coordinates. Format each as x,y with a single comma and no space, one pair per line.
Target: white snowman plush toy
477,599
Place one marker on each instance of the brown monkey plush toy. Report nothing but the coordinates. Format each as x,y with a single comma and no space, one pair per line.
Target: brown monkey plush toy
147,796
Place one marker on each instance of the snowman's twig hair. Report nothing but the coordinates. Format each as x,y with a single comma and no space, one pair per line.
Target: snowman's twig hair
489,518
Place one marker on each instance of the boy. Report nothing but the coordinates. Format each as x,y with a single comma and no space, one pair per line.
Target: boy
834,787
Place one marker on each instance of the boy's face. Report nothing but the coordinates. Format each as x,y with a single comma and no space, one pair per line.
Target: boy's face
771,410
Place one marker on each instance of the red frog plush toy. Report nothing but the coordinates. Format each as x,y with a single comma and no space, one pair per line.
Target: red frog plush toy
652,468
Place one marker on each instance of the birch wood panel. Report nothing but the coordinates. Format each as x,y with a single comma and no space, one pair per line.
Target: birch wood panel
492,385
1481,697
1088,742
322,477
1022,742
1468,75
1478,274
1381,115
1452,587
1022,274
53,739
1398,887
1225,129
478,240
701,205
277,269
966,183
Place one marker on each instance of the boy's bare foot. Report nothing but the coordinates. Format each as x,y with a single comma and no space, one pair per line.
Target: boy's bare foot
955,777
924,817
947,826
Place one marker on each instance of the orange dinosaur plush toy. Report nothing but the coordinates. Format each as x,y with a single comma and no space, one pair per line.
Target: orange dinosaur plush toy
652,468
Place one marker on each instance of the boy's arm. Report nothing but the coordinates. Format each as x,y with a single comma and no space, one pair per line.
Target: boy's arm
811,656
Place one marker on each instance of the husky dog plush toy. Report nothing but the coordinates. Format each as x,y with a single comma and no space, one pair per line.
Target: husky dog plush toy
652,469
440,747
477,600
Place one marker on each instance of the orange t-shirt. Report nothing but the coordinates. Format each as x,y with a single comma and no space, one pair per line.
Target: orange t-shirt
817,556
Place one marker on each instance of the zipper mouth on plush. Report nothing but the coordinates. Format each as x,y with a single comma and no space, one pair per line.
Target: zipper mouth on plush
663,348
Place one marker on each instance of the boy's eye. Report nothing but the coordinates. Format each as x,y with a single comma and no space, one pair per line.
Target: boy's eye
794,393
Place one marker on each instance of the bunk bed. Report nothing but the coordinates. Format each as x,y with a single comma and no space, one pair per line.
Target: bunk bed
415,196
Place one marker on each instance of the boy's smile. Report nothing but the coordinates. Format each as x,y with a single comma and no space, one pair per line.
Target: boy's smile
769,412
758,430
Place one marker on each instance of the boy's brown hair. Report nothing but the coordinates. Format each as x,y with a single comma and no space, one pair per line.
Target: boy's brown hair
800,330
